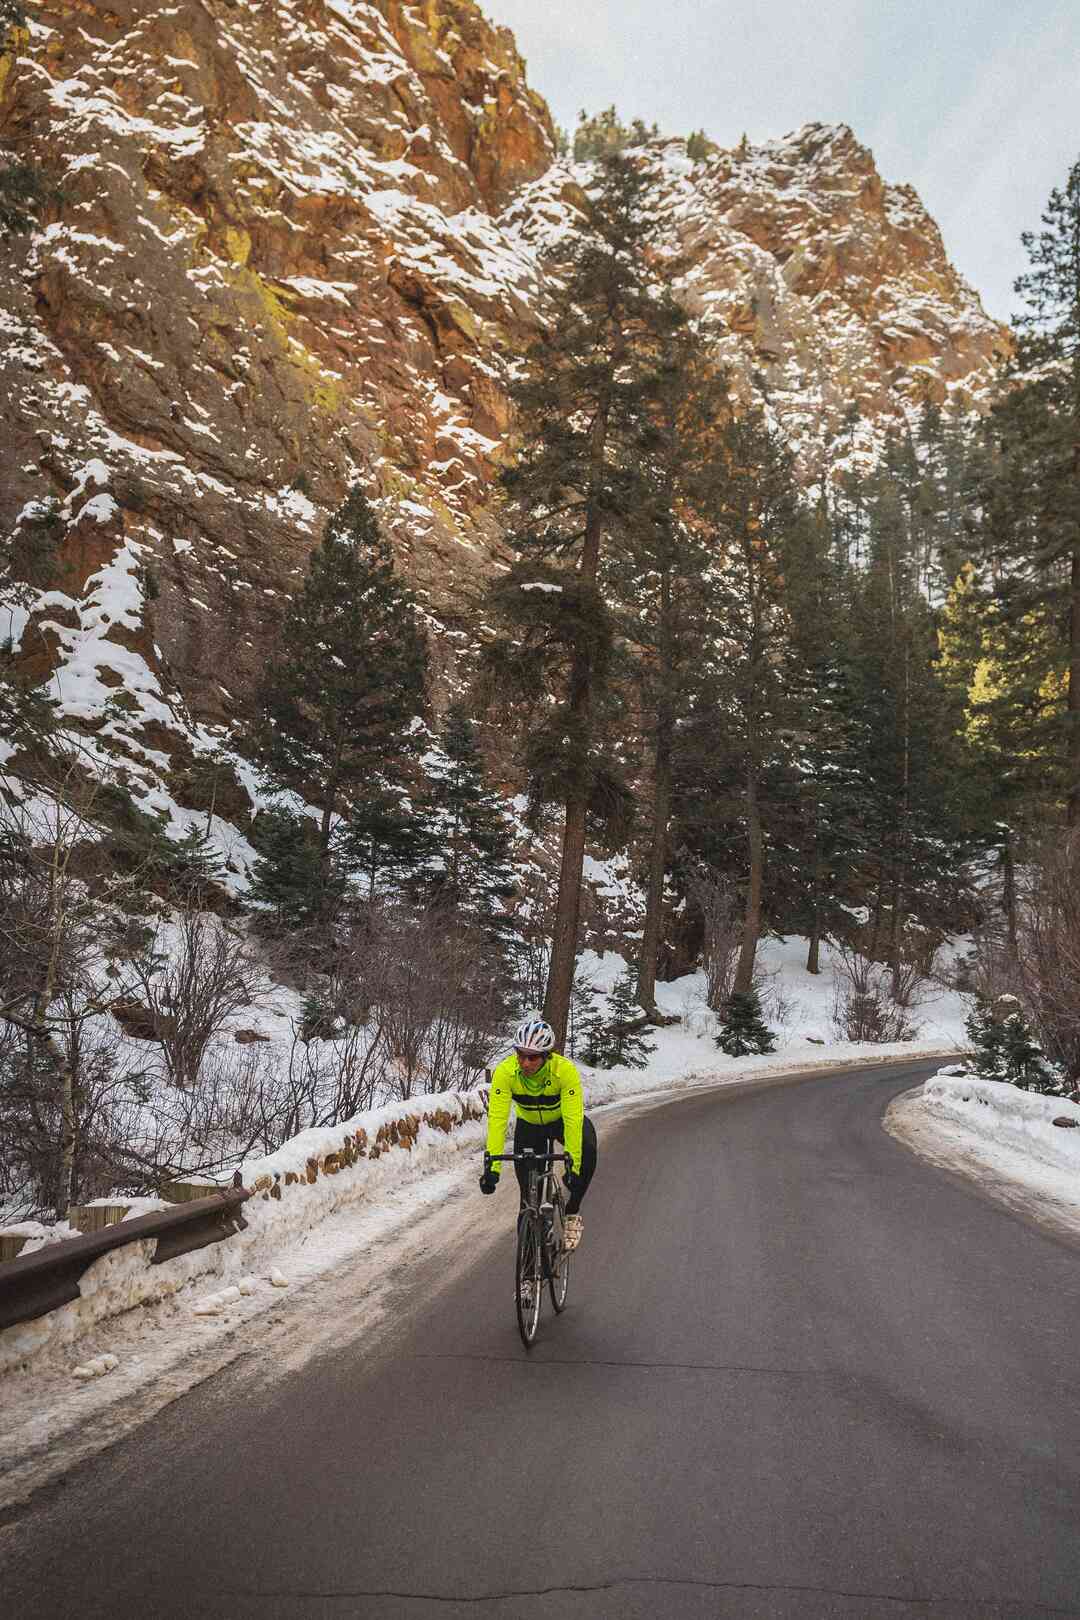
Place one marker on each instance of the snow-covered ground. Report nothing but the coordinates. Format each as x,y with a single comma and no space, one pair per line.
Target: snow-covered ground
1003,1138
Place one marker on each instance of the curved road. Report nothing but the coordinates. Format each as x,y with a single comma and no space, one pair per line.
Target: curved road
803,1374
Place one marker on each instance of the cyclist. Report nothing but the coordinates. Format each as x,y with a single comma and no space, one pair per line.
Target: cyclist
545,1088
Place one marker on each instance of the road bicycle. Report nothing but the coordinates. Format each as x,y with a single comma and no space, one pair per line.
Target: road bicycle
542,1255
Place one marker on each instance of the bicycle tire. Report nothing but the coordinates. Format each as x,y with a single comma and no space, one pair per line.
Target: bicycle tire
559,1261
529,1275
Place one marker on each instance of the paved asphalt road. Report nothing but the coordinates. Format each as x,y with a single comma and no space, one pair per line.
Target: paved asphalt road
802,1375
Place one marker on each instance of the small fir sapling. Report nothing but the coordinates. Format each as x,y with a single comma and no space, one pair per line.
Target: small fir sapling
1004,1047
743,1030
606,1040
288,876
584,1023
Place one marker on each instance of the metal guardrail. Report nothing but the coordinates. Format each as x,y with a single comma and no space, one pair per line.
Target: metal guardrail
31,1285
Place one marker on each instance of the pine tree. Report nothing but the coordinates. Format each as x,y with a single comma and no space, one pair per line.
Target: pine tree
288,875
750,505
469,871
629,1048
582,404
659,574
584,1023
823,790
743,1030
588,1028
922,810
1004,1047
949,456
604,134
383,838
334,716
609,1040
28,716
1032,497
988,676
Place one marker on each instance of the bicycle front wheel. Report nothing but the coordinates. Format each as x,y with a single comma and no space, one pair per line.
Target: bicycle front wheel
530,1279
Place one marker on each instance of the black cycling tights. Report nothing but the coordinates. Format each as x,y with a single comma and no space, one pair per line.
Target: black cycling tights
538,1137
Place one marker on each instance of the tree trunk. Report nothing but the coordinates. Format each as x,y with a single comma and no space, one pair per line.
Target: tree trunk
744,971
813,954
654,902
560,983
65,1184
1073,745
897,935
1008,894
903,850
874,943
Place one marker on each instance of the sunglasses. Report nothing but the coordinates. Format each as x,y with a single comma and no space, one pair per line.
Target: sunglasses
529,1057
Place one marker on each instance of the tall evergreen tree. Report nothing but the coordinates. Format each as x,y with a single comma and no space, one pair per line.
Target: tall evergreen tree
660,575
827,785
469,870
288,875
582,403
750,505
1032,519
994,679
333,717
921,804
383,839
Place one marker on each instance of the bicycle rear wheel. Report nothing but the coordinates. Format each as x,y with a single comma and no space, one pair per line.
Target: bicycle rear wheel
530,1280
559,1272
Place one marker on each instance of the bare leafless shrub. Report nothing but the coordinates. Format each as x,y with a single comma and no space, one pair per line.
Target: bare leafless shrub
446,1004
233,1111
413,1001
192,978
531,951
721,933
863,1007
55,1066
331,1080
778,1005
909,979
1048,950
989,969
532,962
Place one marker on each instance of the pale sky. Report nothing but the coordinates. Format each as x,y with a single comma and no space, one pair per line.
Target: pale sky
976,103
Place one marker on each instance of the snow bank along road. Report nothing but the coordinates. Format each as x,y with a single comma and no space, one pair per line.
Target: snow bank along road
803,1373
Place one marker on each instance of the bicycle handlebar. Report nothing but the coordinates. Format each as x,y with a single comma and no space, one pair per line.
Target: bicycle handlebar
527,1157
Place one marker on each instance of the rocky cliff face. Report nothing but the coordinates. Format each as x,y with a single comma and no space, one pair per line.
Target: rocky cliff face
296,244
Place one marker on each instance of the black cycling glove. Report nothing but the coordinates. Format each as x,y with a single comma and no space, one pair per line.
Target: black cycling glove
488,1181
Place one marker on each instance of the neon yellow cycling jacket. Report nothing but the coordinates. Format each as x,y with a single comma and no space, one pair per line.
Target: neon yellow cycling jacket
540,1099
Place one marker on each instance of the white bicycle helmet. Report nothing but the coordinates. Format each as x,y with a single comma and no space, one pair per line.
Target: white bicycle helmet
534,1034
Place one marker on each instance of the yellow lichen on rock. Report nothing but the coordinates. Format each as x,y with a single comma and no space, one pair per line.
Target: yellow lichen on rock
237,244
